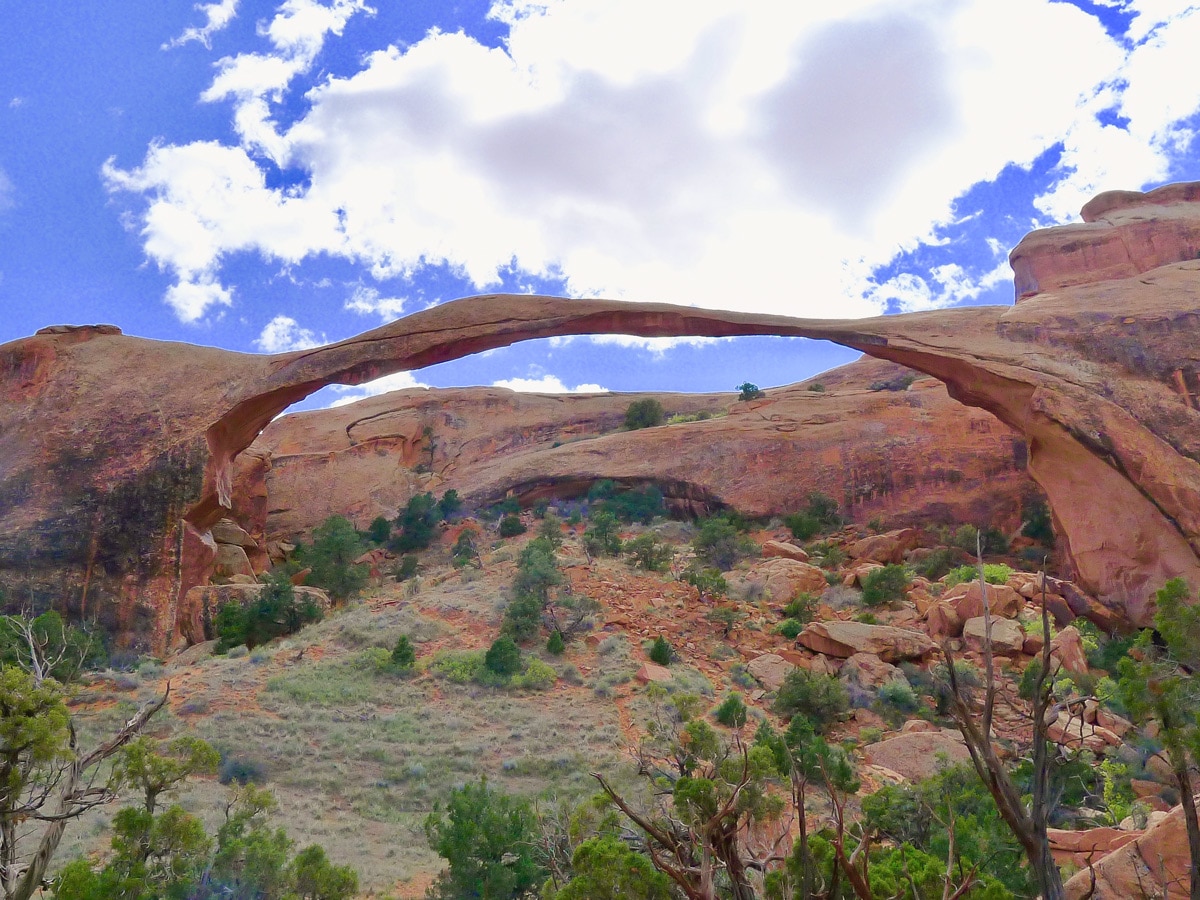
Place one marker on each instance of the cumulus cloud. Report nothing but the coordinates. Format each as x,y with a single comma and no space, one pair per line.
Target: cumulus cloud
284,334
366,300
547,384
397,382
746,155
217,16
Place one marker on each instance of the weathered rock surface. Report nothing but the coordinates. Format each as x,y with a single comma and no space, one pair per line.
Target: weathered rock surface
918,754
770,670
785,550
1152,865
1008,638
110,484
888,547
1078,848
844,639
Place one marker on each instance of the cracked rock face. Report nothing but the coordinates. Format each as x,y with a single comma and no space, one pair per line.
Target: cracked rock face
117,453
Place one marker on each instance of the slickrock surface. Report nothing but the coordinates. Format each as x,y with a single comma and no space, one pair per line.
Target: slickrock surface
117,453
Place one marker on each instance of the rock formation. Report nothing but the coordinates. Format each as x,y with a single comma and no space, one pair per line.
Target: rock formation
117,454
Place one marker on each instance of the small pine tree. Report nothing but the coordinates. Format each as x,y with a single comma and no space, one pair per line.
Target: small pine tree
660,651
503,658
404,657
511,525
644,414
732,712
556,645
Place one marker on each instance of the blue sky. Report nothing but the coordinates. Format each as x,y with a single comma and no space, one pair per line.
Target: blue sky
265,176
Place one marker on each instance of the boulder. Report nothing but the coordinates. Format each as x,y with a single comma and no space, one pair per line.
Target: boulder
654,672
228,531
1008,638
785,578
1078,848
1067,648
918,754
888,547
770,670
1003,601
231,560
868,671
784,550
844,639
917,725
855,574
1140,868
921,598
943,620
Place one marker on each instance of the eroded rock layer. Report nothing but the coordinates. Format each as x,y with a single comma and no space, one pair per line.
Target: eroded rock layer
116,453
907,456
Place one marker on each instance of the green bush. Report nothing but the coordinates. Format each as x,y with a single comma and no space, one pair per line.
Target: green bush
648,552
802,608
886,585
937,563
720,544
407,568
732,712
503,658
602,536
817,388
633,505
789,628
379,530
331,556
821,698
537,676
555,644
819,516
660,651
275,612
416,524
709,582
404,656
645,413
993,573
464,552
511,525
749,391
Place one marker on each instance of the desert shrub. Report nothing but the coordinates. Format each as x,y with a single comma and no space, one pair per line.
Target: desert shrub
331,556
938,563
404,655
648,552
820,515
899,383
645,413
709,582
550,530
897,699
460,667
407,567
993,573
720,544
886,585
660,651
555,644
990,540
450,505
503,657
240,769
416,524
821,698
275,612
802,608
379,530
602,537
732,712
464,552
817,388
511,525
536,676
789,628
749,391
634,505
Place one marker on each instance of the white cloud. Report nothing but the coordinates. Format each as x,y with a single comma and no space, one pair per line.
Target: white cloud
284,334
217,16
8,192
366,300
746,155
547,384
946,285
398,381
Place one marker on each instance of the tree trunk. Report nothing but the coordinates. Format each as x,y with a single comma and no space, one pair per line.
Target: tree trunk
1179,762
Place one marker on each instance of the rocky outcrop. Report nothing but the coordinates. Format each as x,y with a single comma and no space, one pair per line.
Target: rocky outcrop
1156,864
919,754
845,639
117,454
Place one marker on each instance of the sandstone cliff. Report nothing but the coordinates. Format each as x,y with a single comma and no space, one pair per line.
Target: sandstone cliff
116,454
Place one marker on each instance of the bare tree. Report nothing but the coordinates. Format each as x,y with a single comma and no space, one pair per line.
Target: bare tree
1027,825
46,781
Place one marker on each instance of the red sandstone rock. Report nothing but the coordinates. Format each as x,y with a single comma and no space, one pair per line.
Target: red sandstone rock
651,672
844,639
967,598
1148,866
866,670
918,754
943,621
885,548
1078,848
785,550
1008,638
770,670
1067,648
